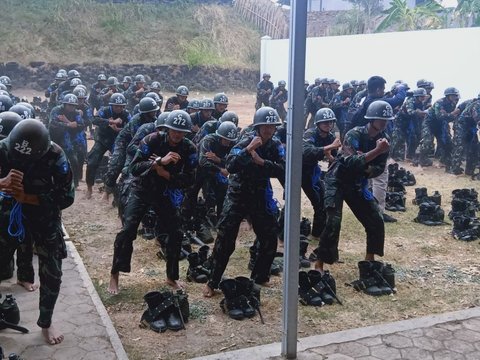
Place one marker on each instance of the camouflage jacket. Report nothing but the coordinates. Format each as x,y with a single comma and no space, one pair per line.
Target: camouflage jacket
208,127
264,89
313,145
63,135
279,97
441,111
409,109
105,135
248,177
212,143
144,130
172,101
181,174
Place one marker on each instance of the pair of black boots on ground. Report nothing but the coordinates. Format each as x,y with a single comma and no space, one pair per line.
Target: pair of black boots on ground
430,212
166,310
376,278
242,297
466,225
198,266
316,289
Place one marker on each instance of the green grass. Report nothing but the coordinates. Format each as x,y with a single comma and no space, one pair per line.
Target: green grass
85,31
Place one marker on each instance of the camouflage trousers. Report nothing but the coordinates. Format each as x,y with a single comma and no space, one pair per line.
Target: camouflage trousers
406,132
366,211
202,182
262,101
440,133
139,202
238,206
94,158
465,144
313,188
51,249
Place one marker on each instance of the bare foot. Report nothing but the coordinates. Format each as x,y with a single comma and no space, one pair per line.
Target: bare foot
113,286
319,266
28,285
208,291
52,336
175,284
266,284
88,194
106,196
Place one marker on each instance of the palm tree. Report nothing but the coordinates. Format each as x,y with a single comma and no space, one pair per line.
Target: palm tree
468,13
403,18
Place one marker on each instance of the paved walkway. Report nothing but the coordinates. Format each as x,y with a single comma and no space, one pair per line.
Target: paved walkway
449,336
79,314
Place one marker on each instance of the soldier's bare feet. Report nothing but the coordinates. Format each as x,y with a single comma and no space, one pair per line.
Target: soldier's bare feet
113,286
175,284
52,335
28,285
106,196
266,284
208,291
88,194
319,266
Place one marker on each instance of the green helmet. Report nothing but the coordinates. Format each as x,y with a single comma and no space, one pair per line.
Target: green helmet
75,82
112,81
347,86
5,103
228,131
5,80
24,111
220,98
80,93
324,115
29,140
147,104
127,79
207,104
155,85
160,122
60,76
139,78
29,106
73,74
3,92
154,96
229,116
193,104
182,90
419,92
101,77
8,120
422,83
379,110
179,120
117,99
266,116
282,83
451,91
70,99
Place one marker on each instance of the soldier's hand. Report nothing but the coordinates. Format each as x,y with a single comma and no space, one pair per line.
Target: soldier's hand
176,107
224,172
328,156
171,157
195,128
62,118
256,158
383,145
12,182
255,143
72,124
212,156
336,143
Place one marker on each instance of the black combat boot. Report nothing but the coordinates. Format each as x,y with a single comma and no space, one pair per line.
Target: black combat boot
308,295
195,270
304,262
253,256
421,194
245,292
367,281
231,304
378,269
203,253
315,278
152,318
305,227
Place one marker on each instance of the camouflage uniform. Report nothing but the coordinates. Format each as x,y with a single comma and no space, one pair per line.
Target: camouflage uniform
249,193
104,139
51,179
436,124
93,98
277,100
150,190
105,95
339,105
172,101
465,139
209,127
264,90
312,183
347,180
71,140
407,129
132,97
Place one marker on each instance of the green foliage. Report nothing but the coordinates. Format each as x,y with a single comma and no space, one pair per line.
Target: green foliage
349,22
468,12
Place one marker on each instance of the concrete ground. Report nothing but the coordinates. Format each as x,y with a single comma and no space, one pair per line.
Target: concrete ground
79,314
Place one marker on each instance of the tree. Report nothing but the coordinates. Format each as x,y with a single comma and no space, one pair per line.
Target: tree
403,18
468,13
370,9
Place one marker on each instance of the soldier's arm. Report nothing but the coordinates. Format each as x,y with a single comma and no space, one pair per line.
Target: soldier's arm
203,161
141,163
101,119
239,158
186,177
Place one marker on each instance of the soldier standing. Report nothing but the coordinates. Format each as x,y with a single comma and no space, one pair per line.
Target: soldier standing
256,158
264,90
162,167
278,99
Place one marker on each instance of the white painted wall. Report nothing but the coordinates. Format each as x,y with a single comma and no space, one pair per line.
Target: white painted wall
449,57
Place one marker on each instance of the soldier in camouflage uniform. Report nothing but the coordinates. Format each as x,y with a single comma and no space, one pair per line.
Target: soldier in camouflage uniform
211,126
51,92
125,85
278,99
255,159
339,105
66,128
408,126
162,167
35,173
135,92
109,121
202,116
86,113
308,108
264,90
428,86
364,155
148,111
221,103
319,96
95,90
465,141
319,143
437,125
179,100
106,93
156,88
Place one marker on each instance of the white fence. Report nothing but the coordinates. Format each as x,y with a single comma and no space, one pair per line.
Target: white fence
449,57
